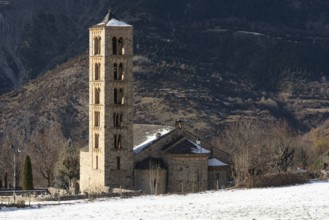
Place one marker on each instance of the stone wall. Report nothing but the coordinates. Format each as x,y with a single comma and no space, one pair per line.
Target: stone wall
217,177
187,173
280,179
151,181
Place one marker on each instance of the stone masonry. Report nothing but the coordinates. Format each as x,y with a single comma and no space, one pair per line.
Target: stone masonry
108,160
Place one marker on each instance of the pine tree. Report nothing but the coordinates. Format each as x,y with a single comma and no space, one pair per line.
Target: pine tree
27,175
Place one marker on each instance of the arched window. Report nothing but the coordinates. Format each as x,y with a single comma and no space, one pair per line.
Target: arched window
96,163
97,95
96,140
121,49
97,45
119,96
115,71
114,46
97,119
97,71
121,72
117,120
117,141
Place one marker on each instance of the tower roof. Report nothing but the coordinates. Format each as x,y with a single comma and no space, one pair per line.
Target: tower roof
109,20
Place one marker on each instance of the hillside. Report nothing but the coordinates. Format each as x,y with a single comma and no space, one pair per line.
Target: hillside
264,42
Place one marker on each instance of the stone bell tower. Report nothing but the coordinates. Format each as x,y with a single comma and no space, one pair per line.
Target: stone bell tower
108,161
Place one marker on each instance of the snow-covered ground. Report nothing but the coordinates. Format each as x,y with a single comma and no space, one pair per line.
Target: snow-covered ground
309,201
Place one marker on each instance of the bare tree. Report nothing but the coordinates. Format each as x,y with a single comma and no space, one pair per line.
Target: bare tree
45,147
153,176
258,148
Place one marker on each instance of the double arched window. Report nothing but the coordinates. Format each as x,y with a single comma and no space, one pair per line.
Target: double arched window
119,96
118,71
118,46
117,120
97,45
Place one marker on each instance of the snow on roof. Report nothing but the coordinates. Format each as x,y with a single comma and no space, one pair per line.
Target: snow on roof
199,149
150,138
214,162
115,22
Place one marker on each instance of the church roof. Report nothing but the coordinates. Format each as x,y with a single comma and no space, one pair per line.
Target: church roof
109,20
188,147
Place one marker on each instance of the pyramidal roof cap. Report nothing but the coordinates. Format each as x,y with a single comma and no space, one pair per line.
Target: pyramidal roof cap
109,20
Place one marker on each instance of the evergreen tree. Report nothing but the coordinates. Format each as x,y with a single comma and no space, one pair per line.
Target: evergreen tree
67,167
27,175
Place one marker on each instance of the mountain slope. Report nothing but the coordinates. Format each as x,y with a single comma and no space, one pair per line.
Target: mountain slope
265,42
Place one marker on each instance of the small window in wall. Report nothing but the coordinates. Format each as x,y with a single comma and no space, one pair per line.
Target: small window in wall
118,163
114,46
121,72
97,119
115,71
96,140
117,141
97,45
97,95
97,71
96,163
121,49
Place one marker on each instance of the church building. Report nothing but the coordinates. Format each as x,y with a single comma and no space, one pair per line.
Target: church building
177,161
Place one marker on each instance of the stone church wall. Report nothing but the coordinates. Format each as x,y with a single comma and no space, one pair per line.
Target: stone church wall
151,181
187,174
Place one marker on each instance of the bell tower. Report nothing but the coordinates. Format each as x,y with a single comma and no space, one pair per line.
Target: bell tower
108,161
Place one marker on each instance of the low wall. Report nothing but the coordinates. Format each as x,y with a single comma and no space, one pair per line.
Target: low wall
280,179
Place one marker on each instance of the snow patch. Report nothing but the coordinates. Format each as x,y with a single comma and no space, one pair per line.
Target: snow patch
214,162
199,149
150,138
308,201
115,22
252,33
